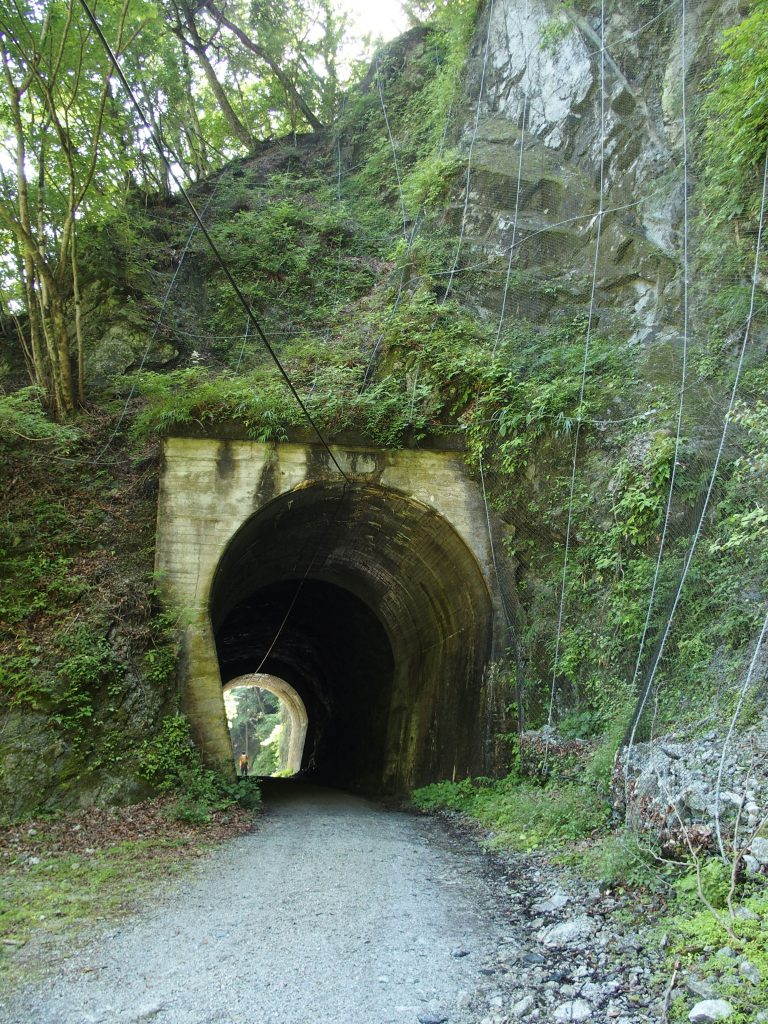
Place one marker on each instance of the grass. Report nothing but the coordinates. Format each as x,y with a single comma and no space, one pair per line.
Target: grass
68,889
522,816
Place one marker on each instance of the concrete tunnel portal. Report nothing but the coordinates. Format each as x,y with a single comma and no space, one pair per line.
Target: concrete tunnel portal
364,598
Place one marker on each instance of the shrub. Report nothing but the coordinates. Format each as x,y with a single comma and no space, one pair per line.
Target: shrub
172,764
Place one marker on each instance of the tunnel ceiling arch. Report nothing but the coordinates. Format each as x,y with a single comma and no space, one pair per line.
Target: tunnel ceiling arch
382,619
390,635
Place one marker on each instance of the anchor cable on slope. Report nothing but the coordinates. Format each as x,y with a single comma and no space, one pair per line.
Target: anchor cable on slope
585,364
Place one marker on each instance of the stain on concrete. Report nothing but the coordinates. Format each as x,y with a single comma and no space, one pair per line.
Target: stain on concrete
266,488
225,461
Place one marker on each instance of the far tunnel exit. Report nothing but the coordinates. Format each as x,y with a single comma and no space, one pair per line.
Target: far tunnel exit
267,721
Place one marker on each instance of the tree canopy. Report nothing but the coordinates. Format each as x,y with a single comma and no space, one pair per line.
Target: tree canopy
213,78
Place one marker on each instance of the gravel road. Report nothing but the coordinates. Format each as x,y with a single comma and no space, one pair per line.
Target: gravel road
333,910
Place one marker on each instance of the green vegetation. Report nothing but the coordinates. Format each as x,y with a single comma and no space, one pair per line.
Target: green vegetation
520,815
259,726
717,942
736,120
88,655
172,763
524,814
67,890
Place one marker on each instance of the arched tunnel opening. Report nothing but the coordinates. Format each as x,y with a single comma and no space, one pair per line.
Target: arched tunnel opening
372,608
267,722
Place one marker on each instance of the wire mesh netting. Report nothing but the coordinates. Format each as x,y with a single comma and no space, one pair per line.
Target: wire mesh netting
614,414
595,225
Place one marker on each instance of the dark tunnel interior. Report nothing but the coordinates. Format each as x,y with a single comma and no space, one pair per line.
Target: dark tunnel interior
371,606
335,653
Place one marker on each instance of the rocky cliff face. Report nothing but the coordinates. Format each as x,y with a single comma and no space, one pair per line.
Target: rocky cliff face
555,117
580,142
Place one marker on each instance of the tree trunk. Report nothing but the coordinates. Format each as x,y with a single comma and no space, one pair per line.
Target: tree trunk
39,361
290,89
61,339
78,320
234,122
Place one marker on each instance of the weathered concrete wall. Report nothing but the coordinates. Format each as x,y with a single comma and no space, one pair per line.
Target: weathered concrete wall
213,491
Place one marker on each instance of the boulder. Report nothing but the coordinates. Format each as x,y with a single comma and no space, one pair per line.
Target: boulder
708,1011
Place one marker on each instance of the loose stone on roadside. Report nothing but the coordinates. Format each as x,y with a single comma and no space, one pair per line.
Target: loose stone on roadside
534,958
523,1006
708,1011
576,1009
556,901
575,930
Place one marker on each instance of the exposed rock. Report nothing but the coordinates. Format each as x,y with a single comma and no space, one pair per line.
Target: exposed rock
463,999
554,902
726,951
523,1006
745,914
750,972
534,958
699,987
575,930
751,864
710,1010
666,792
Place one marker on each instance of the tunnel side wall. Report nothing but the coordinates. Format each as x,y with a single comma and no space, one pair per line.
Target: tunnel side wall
210,488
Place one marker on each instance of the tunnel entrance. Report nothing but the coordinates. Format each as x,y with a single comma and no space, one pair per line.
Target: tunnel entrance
337,657
372,608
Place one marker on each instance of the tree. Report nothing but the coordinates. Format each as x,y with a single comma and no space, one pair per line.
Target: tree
188,26
61,126
213,76
270,66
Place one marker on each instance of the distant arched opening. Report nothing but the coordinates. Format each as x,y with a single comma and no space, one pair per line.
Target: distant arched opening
285,729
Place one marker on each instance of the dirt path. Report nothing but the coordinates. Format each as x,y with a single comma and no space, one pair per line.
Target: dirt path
333,912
